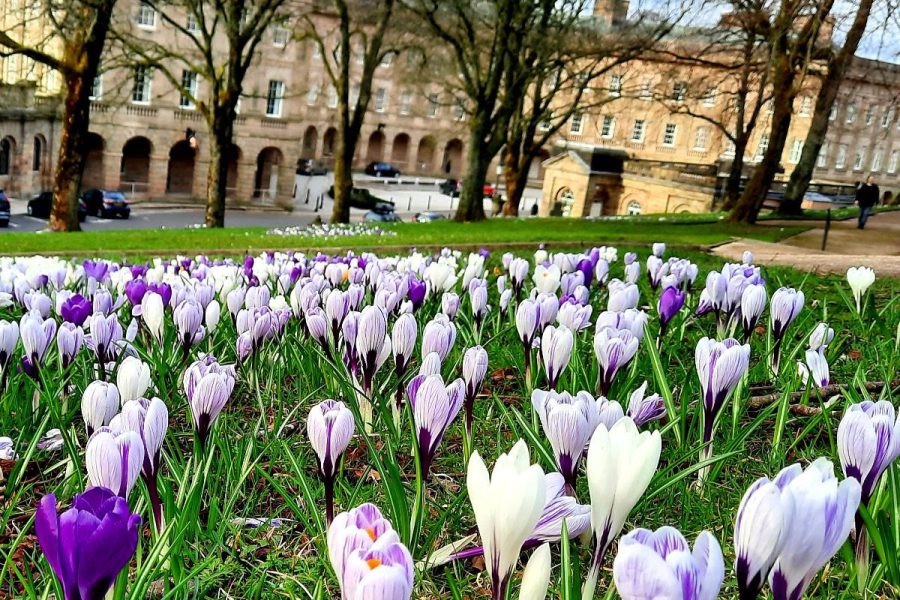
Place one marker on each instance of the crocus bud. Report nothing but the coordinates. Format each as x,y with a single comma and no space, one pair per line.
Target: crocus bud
188,317
868,440
860,280
568,422
373,345
786,305
152,314
614,349
132,379
9,338
208,387
431,364
76,309
99,404
720,366
670,302
403,341
815,368
69,339
114,461
643,409
211,317
439,335
329,427
821,337
434,407
556,350
753,303
450,305
622,296
536,577
659,249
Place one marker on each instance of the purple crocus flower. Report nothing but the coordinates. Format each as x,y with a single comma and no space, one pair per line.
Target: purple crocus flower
188,317
568,422
329,427
434,406
99,404
720,366
439,335
208,386
785,306
9,338
163,289
106,333
37,334
114,460
373,345
102,301
815,368
150,420
670,302
556,351
586,268
868,440
644,409
821,337
474,368
450,304
403,344
89,544
661,564
574,316
317,326
76,309
96,270
478,296
622,296
337,305
614,349
416,293
753,303
69,339
528,320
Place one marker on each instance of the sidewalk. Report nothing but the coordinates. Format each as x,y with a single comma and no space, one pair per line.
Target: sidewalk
876,246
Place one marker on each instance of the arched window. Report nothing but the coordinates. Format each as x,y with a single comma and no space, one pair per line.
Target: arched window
634,207
5,156
37,156
565,198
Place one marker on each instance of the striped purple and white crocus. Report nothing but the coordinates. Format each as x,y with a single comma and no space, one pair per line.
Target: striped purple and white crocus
556,351
114,460
474,368
434,407
330,427
614,349
207,386
643,409
150,420
37,335
720,366
528,320
568,422
784,307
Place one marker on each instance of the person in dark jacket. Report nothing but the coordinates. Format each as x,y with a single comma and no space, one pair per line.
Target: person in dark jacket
867,197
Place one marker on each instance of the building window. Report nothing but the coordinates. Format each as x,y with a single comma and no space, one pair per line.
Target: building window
146,16
380,99
762,147
669,134
876,159
679,90
97,88
859,158
434,108
387,59
459,110
280,36
332,97
870,115
796,151
312,96
701,139
38,154
188,90
840,160
637,131
834,112
851,113
405,102
805,106
822,159
12,68
5,156
274,98
576,125
634,208
565,199
192,25
354,95
892,163
360,53
887,117
140,91
709,97
646,90
609,127
615,85
729,148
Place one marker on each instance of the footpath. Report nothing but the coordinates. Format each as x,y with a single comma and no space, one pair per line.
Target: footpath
876,246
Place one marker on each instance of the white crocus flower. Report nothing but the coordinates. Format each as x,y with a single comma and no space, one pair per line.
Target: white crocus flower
860,279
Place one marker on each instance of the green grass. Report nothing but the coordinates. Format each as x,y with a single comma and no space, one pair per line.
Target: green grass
120,243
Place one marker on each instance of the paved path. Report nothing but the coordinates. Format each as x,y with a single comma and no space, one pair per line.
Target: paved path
876,246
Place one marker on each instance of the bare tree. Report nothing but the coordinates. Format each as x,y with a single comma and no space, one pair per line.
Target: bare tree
74,35
216,45
838,63
794,40
359,37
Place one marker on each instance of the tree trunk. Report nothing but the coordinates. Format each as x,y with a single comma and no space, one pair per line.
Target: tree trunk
343,178
815,137
471,196
220,143
735,175
70,163
516,181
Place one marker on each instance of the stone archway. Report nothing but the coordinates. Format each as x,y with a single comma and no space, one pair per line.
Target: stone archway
400,151
452,162
310,141
7,156
180,178
93,174
135,169
375,147
563,202
265,184
425,154
329,142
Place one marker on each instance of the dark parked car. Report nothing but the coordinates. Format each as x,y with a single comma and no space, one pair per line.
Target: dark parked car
381,169
309,167
106,204
363,199
376,216
4,210
452,188
39,206
428,217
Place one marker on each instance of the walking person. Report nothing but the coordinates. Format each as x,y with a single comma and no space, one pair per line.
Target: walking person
867,197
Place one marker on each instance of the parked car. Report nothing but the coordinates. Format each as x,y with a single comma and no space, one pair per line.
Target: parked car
375,216
106,204
382,169
310,167
39,206
363,199
4,210
452,188
428,217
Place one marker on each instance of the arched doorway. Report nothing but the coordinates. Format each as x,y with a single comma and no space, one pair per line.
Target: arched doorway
266,181
562,204
310,140
180,179
400,150
375,148
452,163
7,156
39,154
233,156
329,142
135,170
634,208
425,154
93,162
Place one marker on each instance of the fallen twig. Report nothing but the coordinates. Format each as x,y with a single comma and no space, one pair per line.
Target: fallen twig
757,402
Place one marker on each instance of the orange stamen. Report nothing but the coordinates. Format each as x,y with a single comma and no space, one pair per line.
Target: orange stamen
373,563
371,533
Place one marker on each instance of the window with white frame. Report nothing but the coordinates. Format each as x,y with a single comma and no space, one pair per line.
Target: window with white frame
576,125
840,160
796,151
615,85
637,131
140,89
834,112
851,113
97,87
634,208
870,115
709,97
822,159
312,94
434,108
146,16
646,90
405,102
762,146
332,97
669,132
805,106
274,98
876,159
701,138
608,127
887,117
892,162
459,110
192,25
859,158
679,91
188,90
280,36
380,99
